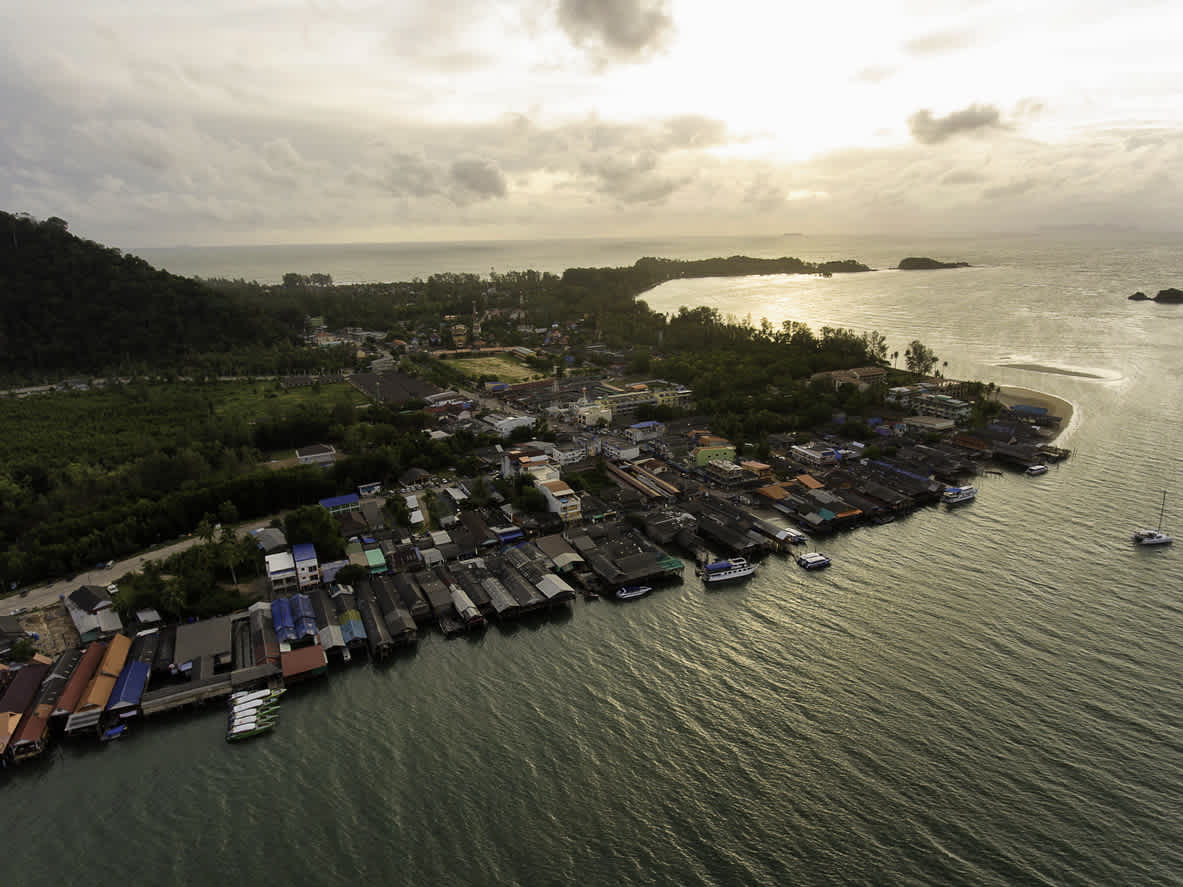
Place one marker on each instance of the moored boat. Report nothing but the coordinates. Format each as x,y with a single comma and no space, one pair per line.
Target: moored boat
1036,470
813,560
628,592
727,570
959,495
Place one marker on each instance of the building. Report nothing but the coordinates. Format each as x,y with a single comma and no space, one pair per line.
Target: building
341,504
814,455
942,405
307,565
643,431
93,613
561,500
316,454
619,448
281,572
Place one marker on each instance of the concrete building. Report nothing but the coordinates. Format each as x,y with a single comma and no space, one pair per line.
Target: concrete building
561,500
307,565
281,572
316,454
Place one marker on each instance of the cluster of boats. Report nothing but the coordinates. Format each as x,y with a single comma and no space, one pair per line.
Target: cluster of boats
252,713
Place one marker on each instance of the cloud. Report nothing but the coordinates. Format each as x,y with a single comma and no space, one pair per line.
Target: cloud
478,178
938,42
930,130
623,30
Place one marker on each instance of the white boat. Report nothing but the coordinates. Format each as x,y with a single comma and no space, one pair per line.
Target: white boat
1156,536
241,697
628,592
813,560
957,495
1035,470
727,570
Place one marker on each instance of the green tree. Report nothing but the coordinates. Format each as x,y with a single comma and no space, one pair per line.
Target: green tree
919,358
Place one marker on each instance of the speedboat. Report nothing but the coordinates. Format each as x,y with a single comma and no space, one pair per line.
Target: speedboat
1035,470
813,560
628,592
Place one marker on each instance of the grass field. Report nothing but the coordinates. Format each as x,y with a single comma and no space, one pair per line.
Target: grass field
506,369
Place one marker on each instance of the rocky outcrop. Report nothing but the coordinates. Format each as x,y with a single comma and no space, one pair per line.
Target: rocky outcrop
916,263
1170,296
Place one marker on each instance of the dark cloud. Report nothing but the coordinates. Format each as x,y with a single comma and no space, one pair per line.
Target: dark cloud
478,178
938,42
620,29
410,176
632,178
929,130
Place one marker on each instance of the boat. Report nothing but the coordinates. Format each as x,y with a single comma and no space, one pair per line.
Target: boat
813,560
1156,536
1036,470
628,592
246,731
958,495
727,570
243,696
114,733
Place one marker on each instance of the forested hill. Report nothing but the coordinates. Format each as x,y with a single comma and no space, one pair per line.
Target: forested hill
74,306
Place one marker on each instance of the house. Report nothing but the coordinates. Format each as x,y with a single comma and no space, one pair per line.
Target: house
281,572
93,613
307,565
561,500
271,540
316,454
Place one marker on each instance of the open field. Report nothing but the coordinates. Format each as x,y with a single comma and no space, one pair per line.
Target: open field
506,369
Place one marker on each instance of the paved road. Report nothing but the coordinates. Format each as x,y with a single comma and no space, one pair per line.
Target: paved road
44,595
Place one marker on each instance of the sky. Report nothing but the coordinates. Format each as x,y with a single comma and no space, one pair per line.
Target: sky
234,121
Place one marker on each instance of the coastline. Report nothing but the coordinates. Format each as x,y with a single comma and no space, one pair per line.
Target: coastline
1009,395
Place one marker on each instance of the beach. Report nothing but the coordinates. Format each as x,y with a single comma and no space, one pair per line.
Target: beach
1009,395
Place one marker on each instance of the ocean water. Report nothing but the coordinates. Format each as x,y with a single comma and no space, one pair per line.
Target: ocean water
987,695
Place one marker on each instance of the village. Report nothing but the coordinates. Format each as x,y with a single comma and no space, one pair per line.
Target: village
620,503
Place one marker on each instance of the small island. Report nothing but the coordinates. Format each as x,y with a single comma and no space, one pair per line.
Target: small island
1171,296
917,263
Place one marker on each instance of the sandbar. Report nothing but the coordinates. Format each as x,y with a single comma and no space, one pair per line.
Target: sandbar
1009,395
1042,368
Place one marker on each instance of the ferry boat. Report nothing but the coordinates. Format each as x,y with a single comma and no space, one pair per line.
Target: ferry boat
958,495
1035,470
813,560
628,592
728,570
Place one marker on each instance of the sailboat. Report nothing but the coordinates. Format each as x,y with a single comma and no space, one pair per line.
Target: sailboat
1154,537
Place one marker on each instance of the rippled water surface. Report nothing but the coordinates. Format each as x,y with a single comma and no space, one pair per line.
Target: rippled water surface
989,695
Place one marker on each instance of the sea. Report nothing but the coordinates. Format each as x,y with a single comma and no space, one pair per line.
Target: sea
984,695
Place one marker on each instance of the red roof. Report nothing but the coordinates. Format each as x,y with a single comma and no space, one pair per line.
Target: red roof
303,662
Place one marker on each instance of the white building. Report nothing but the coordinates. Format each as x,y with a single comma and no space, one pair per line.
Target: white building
561,500
281,572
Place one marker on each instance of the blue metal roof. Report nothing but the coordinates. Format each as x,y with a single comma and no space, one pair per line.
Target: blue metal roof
129,686
305,551
335,501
